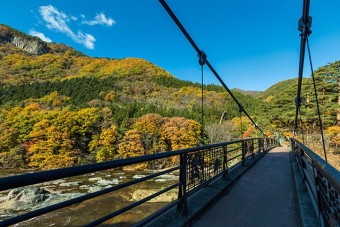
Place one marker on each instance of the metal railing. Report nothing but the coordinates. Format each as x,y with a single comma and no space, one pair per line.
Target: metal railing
196,167
322,182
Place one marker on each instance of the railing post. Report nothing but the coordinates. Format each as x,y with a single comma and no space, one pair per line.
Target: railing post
244,152
252,149
182,207
265,143
225,174
302,164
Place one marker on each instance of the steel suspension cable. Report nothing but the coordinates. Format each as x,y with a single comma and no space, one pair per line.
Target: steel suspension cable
304,27
241,125
199,51
317,101
202,61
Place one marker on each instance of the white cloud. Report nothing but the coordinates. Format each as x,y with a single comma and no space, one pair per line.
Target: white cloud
73,18
57,21
100,19
82,16
88,40
40,35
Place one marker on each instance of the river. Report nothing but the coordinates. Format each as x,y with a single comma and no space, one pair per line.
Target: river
79,214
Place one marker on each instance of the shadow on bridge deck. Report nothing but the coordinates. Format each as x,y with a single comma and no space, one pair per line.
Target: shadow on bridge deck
263,196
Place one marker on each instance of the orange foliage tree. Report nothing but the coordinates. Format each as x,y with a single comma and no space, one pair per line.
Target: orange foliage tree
179,133
149,128
50,147
131,145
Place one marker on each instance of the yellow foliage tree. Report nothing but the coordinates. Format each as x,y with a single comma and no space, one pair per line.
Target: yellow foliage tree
334,133
104,145
54,99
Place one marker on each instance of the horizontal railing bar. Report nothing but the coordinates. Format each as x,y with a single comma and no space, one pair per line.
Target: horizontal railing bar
234,157
234,149
308,157
130,206
329,172
79,199
39,177
323,188
310,171
306,160
49,175
312,196
311,183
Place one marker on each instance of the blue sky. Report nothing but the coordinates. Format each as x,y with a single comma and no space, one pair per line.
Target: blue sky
251,44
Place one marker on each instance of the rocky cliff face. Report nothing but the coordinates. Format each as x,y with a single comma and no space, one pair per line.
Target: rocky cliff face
32,45
15,41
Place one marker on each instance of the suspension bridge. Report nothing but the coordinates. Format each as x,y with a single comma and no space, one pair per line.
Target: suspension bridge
249,182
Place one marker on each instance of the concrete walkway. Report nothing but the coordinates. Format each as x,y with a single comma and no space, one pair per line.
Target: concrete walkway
263,196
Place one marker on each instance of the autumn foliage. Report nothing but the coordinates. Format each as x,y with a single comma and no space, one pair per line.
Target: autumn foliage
62,108
46,133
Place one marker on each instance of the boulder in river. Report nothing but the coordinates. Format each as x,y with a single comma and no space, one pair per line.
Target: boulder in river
24,198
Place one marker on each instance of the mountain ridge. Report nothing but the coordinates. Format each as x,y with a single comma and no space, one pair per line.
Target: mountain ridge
83,100
31,44
247,92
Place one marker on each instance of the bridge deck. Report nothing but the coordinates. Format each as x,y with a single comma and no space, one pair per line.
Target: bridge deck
263,196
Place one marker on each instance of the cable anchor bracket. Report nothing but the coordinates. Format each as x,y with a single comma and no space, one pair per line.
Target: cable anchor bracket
305,26
202,58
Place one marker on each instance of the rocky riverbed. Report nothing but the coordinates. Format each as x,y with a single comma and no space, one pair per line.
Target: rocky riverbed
17,201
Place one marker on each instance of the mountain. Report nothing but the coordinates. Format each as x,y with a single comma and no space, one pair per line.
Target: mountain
59,107
278,88
249,93
87,80
14,41
281,98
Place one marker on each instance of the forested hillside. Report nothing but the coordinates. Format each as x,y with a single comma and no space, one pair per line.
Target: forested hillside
280,98
59,107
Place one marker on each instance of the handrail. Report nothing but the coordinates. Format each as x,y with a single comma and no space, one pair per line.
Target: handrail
197,167
49,175
322,181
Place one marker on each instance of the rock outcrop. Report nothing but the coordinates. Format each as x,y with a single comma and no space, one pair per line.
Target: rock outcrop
30,44
33,47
